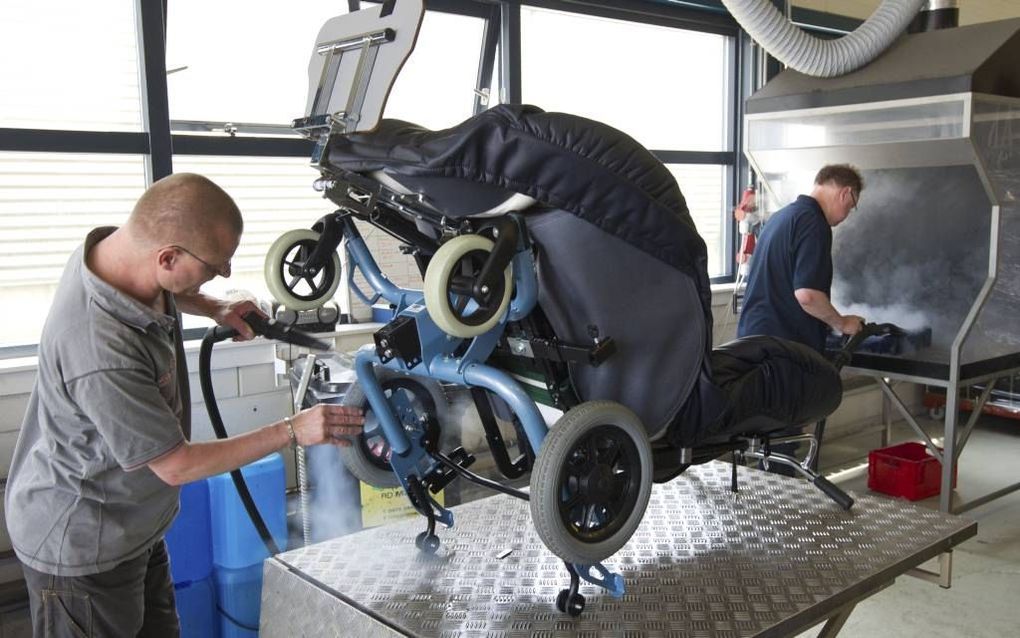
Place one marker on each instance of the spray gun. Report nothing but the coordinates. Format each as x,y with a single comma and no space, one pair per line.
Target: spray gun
270,329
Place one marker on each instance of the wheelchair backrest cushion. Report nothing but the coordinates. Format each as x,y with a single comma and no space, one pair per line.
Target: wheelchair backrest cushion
652,310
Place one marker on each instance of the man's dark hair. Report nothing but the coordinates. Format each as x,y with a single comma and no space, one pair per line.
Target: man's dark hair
841,175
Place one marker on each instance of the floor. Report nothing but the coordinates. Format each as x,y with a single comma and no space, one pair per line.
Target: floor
983,600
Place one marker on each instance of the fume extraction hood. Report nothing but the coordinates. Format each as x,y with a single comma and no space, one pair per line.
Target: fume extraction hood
934,127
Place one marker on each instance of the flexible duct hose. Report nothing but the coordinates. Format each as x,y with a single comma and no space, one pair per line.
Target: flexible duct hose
823,58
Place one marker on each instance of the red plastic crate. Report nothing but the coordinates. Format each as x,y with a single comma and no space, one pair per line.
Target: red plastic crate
906,470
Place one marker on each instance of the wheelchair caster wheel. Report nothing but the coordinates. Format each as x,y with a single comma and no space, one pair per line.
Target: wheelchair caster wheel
428,543
447,292
288,283
568,604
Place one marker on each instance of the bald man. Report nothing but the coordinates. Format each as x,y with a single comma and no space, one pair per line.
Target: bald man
93,484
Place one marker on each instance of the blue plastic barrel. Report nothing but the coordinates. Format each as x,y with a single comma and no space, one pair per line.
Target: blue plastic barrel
239,594
235,542
196,608
188,539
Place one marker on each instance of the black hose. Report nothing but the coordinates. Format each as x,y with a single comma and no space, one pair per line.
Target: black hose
213,336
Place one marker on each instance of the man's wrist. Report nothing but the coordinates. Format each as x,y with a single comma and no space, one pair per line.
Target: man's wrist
288,425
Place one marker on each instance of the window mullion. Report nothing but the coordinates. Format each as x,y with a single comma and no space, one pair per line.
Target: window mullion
151,20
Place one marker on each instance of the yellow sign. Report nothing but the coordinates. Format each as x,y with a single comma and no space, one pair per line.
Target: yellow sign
381,505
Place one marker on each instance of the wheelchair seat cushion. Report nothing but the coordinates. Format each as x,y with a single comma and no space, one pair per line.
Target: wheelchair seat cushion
772,384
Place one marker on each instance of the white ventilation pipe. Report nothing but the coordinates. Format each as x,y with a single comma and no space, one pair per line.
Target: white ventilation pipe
823,58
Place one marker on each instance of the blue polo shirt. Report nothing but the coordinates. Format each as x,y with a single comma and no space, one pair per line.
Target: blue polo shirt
794,251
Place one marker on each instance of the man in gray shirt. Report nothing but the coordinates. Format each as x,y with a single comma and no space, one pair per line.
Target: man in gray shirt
93,484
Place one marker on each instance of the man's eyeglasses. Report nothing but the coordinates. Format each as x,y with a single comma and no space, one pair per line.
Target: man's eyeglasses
222,271
853,198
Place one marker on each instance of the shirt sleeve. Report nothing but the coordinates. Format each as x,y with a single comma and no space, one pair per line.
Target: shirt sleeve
812,254
130,414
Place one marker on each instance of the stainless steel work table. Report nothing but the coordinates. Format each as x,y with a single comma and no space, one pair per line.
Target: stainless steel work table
773,560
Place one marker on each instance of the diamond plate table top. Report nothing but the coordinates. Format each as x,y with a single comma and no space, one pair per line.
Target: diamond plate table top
774,559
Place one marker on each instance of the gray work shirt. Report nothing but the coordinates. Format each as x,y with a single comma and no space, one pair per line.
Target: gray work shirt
111,396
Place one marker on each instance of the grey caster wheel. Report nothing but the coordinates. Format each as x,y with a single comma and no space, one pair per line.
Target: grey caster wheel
294,290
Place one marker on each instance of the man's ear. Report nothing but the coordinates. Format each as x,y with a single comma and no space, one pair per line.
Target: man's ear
166,258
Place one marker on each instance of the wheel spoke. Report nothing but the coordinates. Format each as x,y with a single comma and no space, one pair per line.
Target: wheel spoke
592,450
611,454
311,283
620,483
460,285
462,302
572,501
589,517
608,513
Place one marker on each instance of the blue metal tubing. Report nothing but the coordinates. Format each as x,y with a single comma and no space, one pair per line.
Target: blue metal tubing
526,285
395,434
362,258
483,376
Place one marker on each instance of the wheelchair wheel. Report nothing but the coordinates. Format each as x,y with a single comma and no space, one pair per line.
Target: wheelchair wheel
591,482
289,287
448,279
421,406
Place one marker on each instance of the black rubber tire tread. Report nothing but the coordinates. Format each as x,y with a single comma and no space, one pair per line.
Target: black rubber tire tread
354,456
544,486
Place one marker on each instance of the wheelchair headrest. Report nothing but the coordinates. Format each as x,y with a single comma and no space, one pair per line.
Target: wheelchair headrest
356,59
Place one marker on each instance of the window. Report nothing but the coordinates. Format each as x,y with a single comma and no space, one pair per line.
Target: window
669,88
48,203
245,61
257,70
69,65
704,188
226,80
665,87
436,86
241,60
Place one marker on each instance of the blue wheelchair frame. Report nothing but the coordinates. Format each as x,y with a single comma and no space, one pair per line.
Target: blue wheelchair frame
409,458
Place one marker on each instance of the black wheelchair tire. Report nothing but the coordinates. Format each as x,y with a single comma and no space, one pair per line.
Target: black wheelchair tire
547,480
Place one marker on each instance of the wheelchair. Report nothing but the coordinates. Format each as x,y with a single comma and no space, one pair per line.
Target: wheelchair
560,265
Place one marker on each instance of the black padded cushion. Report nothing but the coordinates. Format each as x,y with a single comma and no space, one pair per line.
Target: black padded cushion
579,165
772,384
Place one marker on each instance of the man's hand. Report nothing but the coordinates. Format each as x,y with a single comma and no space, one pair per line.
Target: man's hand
326,423
851,324
229,313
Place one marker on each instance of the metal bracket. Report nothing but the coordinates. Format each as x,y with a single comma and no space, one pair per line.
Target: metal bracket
943,577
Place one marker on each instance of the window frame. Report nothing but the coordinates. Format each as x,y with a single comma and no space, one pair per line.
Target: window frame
688,19
160,139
